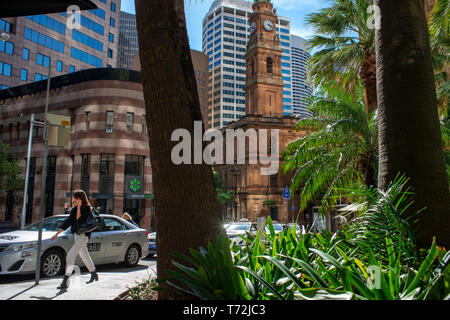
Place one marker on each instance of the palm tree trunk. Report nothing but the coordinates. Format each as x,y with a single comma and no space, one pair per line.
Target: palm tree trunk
409,134
187,209
368,74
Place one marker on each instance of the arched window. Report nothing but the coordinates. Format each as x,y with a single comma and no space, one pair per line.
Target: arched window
269,65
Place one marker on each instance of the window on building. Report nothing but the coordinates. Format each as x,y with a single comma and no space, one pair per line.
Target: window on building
111,37
113,7
42,60
110,53
6,26
85,164
71,69
88,120
51,166
24,74
7,47
59,66
144,124
269,65
18,131
130,122
107,164
109,121
134,165
25,54
5,69
112,22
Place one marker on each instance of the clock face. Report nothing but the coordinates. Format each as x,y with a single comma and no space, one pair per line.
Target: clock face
268,25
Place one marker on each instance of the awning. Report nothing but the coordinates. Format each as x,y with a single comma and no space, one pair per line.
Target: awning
103,196
20,8
138,196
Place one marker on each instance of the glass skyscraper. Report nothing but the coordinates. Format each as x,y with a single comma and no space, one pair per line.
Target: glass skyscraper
37,41
128,40
301,89
226,31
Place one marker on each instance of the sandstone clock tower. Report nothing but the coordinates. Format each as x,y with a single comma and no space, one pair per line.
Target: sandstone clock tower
264,87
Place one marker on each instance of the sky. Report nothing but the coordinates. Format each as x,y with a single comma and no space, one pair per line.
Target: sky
296,10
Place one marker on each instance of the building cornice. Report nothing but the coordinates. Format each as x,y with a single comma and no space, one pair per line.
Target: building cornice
71,79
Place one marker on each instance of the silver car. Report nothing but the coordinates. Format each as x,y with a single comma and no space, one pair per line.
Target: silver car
151,244
114,240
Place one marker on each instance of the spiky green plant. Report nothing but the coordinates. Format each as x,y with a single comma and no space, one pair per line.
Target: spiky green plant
344,46
384,218
439,27
341,148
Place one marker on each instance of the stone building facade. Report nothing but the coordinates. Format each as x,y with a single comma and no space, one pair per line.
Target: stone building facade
258,194
108,152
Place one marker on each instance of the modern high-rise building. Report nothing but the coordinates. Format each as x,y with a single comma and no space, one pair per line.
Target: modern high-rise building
301,89
226,31
128,40
37,41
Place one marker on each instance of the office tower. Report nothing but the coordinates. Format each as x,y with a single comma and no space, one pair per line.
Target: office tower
226,31
37,41
301,89
128,40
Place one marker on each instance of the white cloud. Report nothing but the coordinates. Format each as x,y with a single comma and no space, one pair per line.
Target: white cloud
304,32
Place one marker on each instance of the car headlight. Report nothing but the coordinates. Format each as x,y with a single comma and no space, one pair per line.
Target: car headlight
21,246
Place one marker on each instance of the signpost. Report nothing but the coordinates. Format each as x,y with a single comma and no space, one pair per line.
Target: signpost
56,134
27,174
286,193
287,196
44,178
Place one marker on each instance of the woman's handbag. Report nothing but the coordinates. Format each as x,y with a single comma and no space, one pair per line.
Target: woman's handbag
88,225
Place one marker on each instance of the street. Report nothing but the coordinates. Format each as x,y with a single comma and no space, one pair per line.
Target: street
114,279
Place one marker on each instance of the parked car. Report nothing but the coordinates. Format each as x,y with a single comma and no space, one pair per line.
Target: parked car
278,227
300,229
151,244
114,240
235,229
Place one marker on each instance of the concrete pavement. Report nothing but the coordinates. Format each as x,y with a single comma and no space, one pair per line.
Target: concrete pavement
114,279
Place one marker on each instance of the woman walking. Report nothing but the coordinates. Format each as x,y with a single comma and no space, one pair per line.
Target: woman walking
80,211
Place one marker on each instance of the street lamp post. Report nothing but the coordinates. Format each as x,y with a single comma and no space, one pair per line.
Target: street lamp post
43,184
27,175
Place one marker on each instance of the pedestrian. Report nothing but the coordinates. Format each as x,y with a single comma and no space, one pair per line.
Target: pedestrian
81,209
127,217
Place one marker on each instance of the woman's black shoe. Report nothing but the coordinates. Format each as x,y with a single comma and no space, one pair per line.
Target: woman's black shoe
63,284
94,277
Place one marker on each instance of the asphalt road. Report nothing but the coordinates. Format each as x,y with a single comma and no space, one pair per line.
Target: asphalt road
114,279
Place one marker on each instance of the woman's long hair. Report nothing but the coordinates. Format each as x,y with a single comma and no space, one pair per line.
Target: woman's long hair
80,194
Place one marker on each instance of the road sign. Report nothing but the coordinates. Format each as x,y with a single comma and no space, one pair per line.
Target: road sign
59,130
286,193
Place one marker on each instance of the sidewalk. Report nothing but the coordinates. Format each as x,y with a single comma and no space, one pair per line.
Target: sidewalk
110,285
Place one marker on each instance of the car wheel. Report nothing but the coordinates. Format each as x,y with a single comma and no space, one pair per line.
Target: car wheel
132,256
52,263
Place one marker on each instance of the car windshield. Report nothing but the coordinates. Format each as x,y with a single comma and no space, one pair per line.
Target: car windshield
49,224
238,227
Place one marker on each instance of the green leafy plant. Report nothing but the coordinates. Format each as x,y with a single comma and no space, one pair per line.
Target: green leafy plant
340,150
320,266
